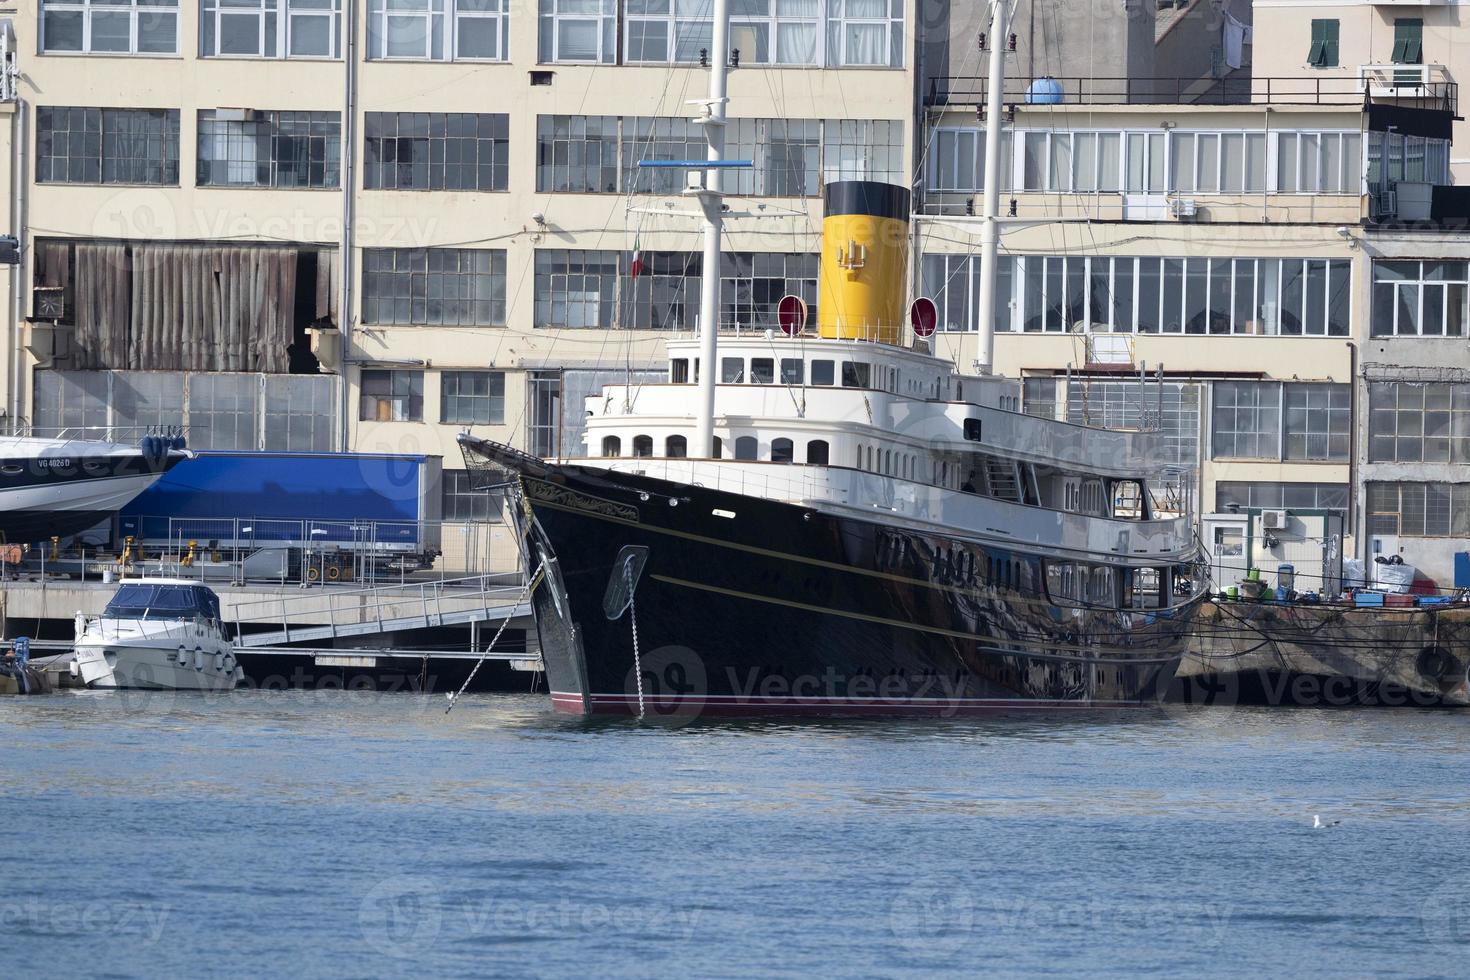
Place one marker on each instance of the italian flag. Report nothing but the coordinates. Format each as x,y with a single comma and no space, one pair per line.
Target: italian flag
636,266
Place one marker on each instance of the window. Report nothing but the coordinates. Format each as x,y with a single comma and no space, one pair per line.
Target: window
1319,163
658,138
110,26
1217,163
732,370
577,154
1420,299
256,29
782,451
863,149
437,30
665,295
224,411
472,397
676,447
856,374
107,146
581,30
1408,41
793,371
391,396
1116,405
575,288
462,503
817,452
1293,496
612,446
270,149
1419,509
1393,157
300,413
862,32
433,286
1246,420
957,160
1148,295
781,32
643,445
822,373
784,151
1323,52
762,370
747,447
1410,422
1318,422
437,151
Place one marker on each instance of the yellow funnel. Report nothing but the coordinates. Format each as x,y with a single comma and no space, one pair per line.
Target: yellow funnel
865,245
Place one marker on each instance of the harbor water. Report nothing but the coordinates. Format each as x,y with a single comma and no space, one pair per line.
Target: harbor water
338,834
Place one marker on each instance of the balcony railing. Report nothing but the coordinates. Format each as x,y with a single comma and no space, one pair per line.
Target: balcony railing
1424,89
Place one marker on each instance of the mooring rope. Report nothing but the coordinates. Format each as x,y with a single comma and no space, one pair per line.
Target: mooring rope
530,586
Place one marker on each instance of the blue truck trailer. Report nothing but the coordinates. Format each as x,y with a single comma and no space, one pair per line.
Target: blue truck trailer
342,507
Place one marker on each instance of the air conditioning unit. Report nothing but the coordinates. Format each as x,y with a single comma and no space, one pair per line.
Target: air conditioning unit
1182,208
1273,520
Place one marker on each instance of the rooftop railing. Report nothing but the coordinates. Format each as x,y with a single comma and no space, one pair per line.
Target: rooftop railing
1412,87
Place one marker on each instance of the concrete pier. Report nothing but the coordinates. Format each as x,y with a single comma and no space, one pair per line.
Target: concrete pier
1278,653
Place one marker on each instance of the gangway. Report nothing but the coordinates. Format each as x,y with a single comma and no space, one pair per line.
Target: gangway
332,614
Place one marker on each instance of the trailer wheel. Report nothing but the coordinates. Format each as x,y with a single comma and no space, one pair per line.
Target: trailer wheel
313,573
334,573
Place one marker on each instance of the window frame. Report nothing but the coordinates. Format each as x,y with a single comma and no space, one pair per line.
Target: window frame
383,153
274,138
442,30
285,16
170,166
134,9
376,274
412,397
451,394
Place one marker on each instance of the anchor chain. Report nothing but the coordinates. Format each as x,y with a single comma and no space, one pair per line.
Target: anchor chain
531,584
633,618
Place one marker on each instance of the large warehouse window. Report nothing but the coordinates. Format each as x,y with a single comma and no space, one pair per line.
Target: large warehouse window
1410,422
269,149
76,145
434,286
391,396
1436,510
575,288
437,151
472,397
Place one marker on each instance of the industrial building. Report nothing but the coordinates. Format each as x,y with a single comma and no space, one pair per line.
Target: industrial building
1264,220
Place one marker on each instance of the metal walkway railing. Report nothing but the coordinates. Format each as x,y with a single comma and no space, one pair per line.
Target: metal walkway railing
333,613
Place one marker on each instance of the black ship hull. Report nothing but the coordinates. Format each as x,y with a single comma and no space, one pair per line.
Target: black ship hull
666,599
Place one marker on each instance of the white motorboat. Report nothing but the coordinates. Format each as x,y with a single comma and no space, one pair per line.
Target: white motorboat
157,633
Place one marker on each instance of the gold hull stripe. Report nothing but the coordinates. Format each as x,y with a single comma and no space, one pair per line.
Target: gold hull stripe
900,624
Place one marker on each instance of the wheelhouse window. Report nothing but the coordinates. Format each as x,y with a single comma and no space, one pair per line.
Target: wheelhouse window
856,374
676,447
793,371
822,373
110,27
732,370
438,30
817,451
762,371
782,451
747,447
270,28
391,396
247,148
145,601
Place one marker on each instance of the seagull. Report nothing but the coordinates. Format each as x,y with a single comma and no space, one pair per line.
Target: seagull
1317,823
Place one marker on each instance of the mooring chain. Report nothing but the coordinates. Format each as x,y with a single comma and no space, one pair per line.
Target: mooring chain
530,585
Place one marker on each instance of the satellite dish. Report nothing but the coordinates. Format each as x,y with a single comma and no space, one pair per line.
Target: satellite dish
791,314
924,315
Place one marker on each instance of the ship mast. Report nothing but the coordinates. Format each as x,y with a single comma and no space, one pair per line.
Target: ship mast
1000,19
711,203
